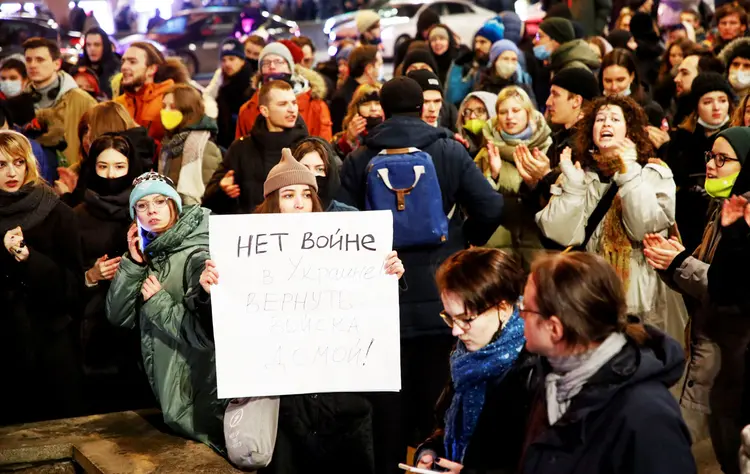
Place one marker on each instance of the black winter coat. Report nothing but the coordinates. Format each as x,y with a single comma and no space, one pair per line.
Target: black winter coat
497,441
39,301
624,420
326,432
251,158
232,94
340,102
686,159
461,183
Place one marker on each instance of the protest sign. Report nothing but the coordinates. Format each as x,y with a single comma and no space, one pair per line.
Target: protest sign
303,304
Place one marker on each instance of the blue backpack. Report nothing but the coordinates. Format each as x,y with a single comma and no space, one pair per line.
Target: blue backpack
404,181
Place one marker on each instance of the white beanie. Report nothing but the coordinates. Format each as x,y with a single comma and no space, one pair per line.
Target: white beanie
277,49
488,99
365,20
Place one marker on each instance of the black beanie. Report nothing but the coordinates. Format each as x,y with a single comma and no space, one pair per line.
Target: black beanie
578,81
642,27
707,82
619,38
559,29
426,20
419,55
739,138
401,95
427,80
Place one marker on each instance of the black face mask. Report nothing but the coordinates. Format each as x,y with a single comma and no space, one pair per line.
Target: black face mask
373,122
253,64
109,187
323,191
279,76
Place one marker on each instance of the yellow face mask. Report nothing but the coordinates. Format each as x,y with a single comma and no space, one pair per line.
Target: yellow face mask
171,118
475,125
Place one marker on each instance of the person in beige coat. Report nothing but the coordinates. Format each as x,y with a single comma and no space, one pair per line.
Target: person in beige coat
53,89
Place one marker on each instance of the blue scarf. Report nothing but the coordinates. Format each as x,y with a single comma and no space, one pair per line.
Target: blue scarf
524,135
470,372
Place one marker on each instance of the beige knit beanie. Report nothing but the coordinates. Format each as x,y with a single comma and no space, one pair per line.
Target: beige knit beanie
366,20
288,173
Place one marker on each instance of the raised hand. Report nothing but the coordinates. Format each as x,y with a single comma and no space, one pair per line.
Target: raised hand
393,265
660,252
494,159
103,269
573,172
734,208
151,286
657,136
209,276
15,245
227,185
134,244
356,127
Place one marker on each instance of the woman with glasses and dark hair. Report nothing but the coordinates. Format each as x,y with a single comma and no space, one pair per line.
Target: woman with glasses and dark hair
483,409
153,291
711,276
114,382
713,103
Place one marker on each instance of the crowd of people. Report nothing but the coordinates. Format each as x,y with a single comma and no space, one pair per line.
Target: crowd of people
582,310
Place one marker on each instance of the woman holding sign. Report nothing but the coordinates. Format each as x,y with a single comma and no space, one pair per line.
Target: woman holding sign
328,432
483,410
167,249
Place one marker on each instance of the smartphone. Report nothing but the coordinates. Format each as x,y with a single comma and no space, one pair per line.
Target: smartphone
138,236
417,470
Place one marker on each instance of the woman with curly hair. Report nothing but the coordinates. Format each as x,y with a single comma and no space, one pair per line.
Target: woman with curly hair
610,198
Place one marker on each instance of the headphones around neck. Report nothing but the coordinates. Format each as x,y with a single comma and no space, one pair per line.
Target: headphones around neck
36,96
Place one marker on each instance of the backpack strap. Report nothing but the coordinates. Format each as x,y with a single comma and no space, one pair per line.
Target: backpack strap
398,151
596,217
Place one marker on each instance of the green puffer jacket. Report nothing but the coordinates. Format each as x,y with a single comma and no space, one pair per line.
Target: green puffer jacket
178,353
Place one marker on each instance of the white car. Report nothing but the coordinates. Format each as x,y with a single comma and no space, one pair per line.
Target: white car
398,22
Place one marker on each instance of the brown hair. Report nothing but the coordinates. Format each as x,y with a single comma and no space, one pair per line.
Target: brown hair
731,9
256,40
585,293
311,145
738,119
83,129
37,42
188,101
303,41
173,68
153,55
265,90
14,145
665,69
353,108
636,122
270,204
625,11
482,278
359,59
108,117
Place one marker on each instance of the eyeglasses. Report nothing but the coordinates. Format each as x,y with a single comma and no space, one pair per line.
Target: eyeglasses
143,206
273,62
478,112
719,158
522,309
462,320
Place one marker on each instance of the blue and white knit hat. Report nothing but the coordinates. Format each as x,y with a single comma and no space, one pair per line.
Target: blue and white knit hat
153,183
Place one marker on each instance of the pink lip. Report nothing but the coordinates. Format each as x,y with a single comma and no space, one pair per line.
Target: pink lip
12,184
153,221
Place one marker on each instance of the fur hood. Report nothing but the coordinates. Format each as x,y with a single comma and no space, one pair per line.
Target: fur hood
734,49
302,81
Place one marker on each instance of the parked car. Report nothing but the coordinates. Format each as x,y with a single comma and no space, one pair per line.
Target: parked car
399,21
17,29
195,35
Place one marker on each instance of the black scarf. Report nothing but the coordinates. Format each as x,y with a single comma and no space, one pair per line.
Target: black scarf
111,208
27,207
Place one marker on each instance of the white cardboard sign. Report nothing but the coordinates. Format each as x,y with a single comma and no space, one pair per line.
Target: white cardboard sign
303,304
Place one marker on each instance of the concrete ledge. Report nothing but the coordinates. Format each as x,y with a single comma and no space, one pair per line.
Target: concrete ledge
115,443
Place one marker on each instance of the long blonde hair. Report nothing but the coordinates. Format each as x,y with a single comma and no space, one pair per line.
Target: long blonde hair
359,94
109,117
14,145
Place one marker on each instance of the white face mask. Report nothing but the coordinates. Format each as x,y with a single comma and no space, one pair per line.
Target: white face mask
505,69
740,79
11,88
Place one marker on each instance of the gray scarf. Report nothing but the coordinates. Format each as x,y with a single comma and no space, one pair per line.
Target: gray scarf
570,374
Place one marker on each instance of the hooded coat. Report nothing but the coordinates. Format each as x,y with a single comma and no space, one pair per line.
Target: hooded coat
69,106
107,66
251,158
311,92
624,420
40,308
476,140
176,344
445,60
519,233
574,53
461,183
145,106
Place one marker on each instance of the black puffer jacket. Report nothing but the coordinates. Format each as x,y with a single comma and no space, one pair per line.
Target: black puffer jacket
624,420
251,158
461,183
